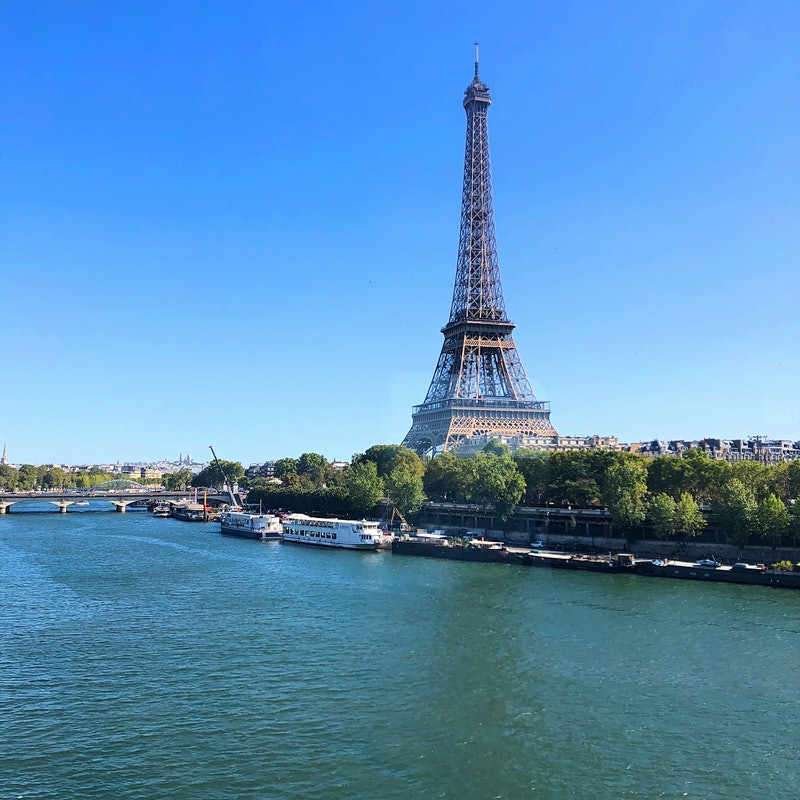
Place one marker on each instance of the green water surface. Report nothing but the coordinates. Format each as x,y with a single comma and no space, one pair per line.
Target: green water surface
144,658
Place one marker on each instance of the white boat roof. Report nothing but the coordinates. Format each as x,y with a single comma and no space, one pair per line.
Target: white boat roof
306,518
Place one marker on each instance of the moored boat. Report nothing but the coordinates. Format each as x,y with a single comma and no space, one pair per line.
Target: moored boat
250,526
190,512
343,533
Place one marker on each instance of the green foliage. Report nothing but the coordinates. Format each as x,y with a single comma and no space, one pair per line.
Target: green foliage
313,467
27,478
661,514
625,491
792,486
214,475
575,478
447,478
404,488
497,448
486,478
689,519
736,511
387,457
496,482
317,502
534,466
783,566
286,468
793,531
364,487
53,478
8,478
771,518
177,481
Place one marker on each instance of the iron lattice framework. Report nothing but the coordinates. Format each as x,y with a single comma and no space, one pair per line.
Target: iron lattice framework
479,385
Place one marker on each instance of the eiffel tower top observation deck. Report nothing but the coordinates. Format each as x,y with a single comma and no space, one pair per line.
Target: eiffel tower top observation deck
479,385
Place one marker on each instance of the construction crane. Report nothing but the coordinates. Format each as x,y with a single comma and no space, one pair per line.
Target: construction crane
228,487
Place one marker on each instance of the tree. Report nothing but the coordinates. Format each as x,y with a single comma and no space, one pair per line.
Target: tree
448,478
535,469
53,478
625,491
285,468
389,456
27,477
384,456
574,478
794,522
497,482
313,467
497,448
755,476
661,514
8,478
404,488
736,510
178,481
704,475
689,519
793,480
214,475
771,519
364,487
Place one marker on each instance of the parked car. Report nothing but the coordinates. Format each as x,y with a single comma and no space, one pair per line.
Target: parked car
708,563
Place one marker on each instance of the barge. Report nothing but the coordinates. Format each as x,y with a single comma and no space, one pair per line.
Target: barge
436,547
708,571
739,573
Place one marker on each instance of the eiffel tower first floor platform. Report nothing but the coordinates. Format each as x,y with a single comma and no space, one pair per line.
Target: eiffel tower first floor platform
442,424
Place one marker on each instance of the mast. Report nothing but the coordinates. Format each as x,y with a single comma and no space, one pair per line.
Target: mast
228,485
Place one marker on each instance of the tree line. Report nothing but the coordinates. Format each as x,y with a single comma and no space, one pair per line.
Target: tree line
311,485
28,478
664,497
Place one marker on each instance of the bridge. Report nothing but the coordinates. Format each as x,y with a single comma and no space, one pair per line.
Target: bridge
121,498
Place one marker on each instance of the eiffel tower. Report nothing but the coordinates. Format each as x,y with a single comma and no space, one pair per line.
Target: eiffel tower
479,385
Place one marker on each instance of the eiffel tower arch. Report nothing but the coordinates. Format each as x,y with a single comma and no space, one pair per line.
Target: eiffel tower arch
479,385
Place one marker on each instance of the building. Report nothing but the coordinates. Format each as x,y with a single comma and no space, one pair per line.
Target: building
479,386
265,470
4,457
550,444
755,448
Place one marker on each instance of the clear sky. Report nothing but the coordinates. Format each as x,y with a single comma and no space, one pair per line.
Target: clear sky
236,222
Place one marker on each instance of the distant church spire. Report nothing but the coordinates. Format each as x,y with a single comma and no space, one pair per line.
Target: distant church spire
4,458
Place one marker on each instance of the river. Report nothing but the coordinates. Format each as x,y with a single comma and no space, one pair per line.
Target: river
144,658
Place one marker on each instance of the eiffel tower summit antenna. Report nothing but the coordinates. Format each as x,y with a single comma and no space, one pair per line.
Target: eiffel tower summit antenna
479,386
477,58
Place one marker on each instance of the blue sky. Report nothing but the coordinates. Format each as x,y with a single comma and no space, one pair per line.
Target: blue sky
237,222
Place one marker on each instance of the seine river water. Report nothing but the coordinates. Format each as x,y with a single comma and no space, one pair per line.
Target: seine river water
145,659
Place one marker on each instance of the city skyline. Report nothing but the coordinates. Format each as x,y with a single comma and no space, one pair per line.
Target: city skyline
646,218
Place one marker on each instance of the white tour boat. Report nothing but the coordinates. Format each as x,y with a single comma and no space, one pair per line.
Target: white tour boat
250,526
347,533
